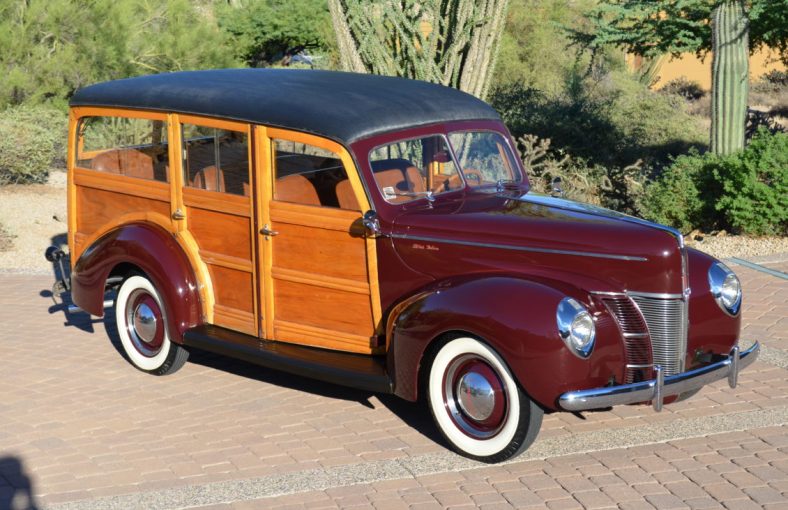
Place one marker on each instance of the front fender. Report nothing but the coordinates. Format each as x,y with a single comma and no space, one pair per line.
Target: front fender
158,255
517,318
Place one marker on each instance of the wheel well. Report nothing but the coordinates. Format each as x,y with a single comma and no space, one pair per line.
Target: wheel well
123,270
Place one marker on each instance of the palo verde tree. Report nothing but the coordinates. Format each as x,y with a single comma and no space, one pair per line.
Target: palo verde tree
451,42
726,28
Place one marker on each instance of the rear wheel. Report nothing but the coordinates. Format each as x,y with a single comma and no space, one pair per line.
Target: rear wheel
477,405
143,328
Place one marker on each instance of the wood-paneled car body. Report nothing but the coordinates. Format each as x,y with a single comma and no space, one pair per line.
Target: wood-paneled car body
379,233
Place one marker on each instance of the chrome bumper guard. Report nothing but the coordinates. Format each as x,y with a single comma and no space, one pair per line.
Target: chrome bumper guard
657,389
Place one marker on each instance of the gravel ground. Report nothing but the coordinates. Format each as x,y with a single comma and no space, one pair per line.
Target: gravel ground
33,217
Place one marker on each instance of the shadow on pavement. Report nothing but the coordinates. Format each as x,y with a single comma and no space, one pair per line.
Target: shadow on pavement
16,489
413,414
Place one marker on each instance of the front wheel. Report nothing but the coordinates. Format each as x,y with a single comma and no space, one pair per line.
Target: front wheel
477,405
143,328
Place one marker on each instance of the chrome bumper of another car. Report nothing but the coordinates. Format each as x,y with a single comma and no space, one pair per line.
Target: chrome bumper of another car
657,389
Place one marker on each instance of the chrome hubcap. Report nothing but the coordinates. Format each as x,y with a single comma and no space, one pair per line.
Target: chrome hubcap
476,396
145,322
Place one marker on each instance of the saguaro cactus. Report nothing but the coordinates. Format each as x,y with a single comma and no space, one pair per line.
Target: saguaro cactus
730,77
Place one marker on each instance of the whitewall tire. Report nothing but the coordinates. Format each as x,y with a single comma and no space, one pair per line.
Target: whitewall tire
143,328
476,403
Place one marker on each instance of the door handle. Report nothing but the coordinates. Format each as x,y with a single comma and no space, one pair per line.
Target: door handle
266,231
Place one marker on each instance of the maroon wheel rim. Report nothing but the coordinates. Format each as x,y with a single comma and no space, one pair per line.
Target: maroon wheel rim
475,397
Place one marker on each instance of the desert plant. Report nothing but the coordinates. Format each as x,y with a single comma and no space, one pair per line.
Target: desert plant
675,197
754,186
452,42
616,188
687,89
730,77
745,192
608,119
26,152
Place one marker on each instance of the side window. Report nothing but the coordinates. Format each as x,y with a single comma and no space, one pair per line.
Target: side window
411,169
215,159
124,146
309,175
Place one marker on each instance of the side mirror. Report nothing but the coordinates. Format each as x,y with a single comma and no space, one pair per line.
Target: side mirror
371,223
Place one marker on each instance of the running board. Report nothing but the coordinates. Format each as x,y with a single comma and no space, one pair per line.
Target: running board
347,369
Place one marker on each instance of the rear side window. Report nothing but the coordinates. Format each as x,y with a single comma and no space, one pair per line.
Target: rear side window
124,146
216,159
308,175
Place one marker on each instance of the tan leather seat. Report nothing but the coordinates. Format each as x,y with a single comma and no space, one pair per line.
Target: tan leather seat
295,188
130,162
209,178
346,197
415,179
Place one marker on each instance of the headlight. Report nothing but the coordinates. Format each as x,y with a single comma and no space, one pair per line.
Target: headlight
576,327
725,288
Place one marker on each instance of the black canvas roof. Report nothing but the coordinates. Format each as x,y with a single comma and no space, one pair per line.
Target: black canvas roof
342,106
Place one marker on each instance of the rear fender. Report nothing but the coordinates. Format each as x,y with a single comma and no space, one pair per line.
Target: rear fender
155,252
517,318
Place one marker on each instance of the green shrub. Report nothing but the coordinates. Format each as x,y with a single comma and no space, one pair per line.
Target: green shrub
675,198
754,182
745,192
32,141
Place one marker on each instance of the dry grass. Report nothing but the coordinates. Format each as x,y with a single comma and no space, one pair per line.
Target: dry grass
6,239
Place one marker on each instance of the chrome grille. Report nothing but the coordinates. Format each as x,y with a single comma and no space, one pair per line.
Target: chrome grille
637,347
666,319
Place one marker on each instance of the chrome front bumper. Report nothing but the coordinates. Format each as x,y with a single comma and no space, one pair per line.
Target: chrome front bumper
660,387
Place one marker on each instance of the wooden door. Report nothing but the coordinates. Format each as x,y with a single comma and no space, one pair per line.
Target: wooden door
320,272
219,215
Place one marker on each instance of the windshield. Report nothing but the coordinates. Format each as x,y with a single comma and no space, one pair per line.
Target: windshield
484,157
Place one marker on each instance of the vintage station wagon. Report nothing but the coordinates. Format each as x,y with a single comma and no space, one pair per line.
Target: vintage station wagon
378,233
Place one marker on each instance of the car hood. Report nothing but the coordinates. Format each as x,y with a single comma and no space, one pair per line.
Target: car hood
543,236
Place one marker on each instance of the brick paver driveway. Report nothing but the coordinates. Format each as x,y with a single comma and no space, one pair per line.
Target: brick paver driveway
81,428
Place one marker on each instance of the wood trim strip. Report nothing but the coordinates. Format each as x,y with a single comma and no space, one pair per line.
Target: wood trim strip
319,280
71,193
217,201
229,125
263,165
228,261
99,111
235,319
327,218
176,173
133,186
319,337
